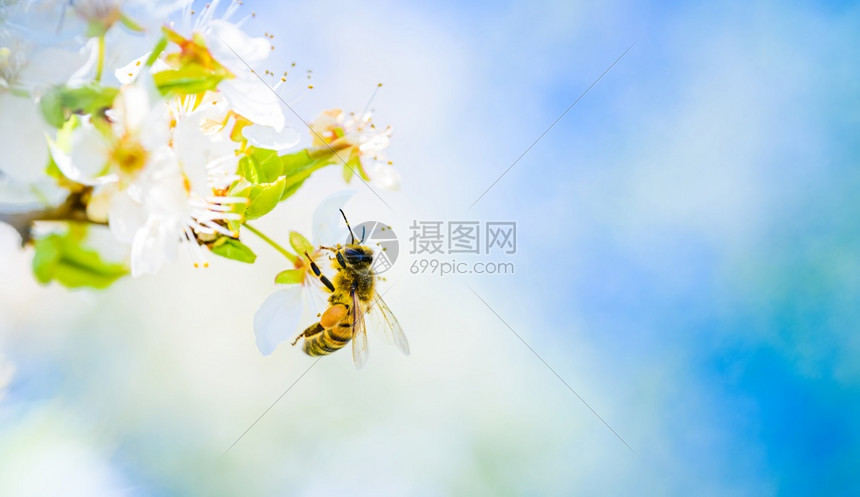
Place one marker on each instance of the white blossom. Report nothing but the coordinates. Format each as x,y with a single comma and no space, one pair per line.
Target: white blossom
354,137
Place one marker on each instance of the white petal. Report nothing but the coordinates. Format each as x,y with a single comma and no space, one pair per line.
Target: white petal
328,227
384,175
132,106
154,243
375,144
267,137
277,320
203,155
88,158
22,139
235,49
253,100
129,72
125,216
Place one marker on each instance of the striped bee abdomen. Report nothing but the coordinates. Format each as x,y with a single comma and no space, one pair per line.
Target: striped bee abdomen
331,333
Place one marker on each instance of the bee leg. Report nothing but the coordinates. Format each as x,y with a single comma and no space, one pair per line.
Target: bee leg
309,332
318,273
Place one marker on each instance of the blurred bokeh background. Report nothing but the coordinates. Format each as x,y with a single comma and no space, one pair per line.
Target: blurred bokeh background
687,261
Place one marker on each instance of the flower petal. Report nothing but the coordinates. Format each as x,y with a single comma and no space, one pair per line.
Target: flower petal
384,175
253,100
125,216
129,72
235,49
155,243
277,320
375,143
328,226
132,107
267,137
87,160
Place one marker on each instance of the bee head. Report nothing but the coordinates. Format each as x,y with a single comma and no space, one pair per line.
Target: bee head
358,256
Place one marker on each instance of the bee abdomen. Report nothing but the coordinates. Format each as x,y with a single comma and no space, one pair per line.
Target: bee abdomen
330,340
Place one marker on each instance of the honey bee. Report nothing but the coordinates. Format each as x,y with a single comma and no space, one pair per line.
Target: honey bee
352,296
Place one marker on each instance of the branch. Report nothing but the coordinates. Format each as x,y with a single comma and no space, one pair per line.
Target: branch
73,209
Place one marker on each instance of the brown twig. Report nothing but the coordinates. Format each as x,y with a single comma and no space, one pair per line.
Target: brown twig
72,209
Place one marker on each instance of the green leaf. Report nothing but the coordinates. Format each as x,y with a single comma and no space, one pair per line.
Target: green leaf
347,174
290,277
233,249
240,189
354,164
61,102
187,80
64,258
298,167
261,166
297,161
300,244
263,198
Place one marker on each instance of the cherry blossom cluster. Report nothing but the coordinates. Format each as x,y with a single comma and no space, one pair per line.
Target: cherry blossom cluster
133,131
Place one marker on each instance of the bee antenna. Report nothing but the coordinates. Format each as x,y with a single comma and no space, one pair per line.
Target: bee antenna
351,234
363,232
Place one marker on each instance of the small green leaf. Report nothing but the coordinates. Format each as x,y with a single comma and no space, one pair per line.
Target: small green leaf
296,161
263,198
61,102
300,244
354,164
290,277
261,166
64,258
240,189
298,167
233,249
188,80
347,174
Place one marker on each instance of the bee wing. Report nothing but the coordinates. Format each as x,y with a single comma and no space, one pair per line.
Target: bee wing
359,334
390,325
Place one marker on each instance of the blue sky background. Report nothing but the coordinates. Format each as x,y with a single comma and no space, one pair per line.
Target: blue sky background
687,262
